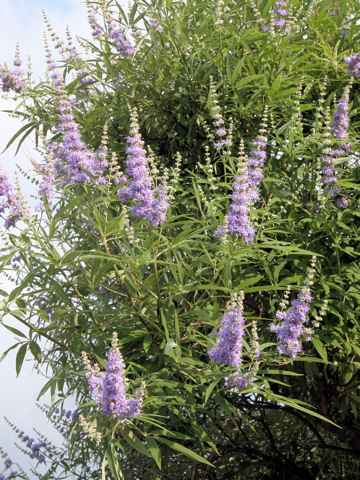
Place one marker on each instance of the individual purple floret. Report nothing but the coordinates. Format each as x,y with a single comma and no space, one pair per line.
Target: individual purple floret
123,46
353,64
343,202
110,392
84,78
148,203
230,337
294,320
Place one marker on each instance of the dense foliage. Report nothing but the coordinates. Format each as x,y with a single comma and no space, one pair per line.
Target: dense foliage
200,173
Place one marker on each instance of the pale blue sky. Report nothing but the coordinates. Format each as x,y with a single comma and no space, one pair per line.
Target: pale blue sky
21,20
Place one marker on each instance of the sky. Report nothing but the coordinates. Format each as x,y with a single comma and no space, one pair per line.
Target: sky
21,20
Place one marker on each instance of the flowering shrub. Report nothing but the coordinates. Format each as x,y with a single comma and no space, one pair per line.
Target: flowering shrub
156,232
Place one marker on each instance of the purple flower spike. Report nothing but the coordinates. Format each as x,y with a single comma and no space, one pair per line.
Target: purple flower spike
10,201
280,14
11,80
353,64
230,342
246,189
148,203
110,391
221,139
117,35
294,320
339,131
96,30
230,337
70,160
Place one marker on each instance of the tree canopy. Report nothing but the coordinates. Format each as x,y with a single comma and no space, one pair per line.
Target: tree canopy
191,274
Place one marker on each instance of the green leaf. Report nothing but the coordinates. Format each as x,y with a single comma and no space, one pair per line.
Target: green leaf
14,330
7,351
186,451
319,346
209,390
46,387
29,126
154,450
20,357
147,343
132,439
35,350
113,463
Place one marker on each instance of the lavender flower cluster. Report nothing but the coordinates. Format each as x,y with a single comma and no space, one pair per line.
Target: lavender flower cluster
11,79
117,35
10,200
149,203
63,420
238,221
218,121
109,388
96,30
294,320
280,15
8,462
246,189
156,25
339,131
35,448
228,349
70,160
353,64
